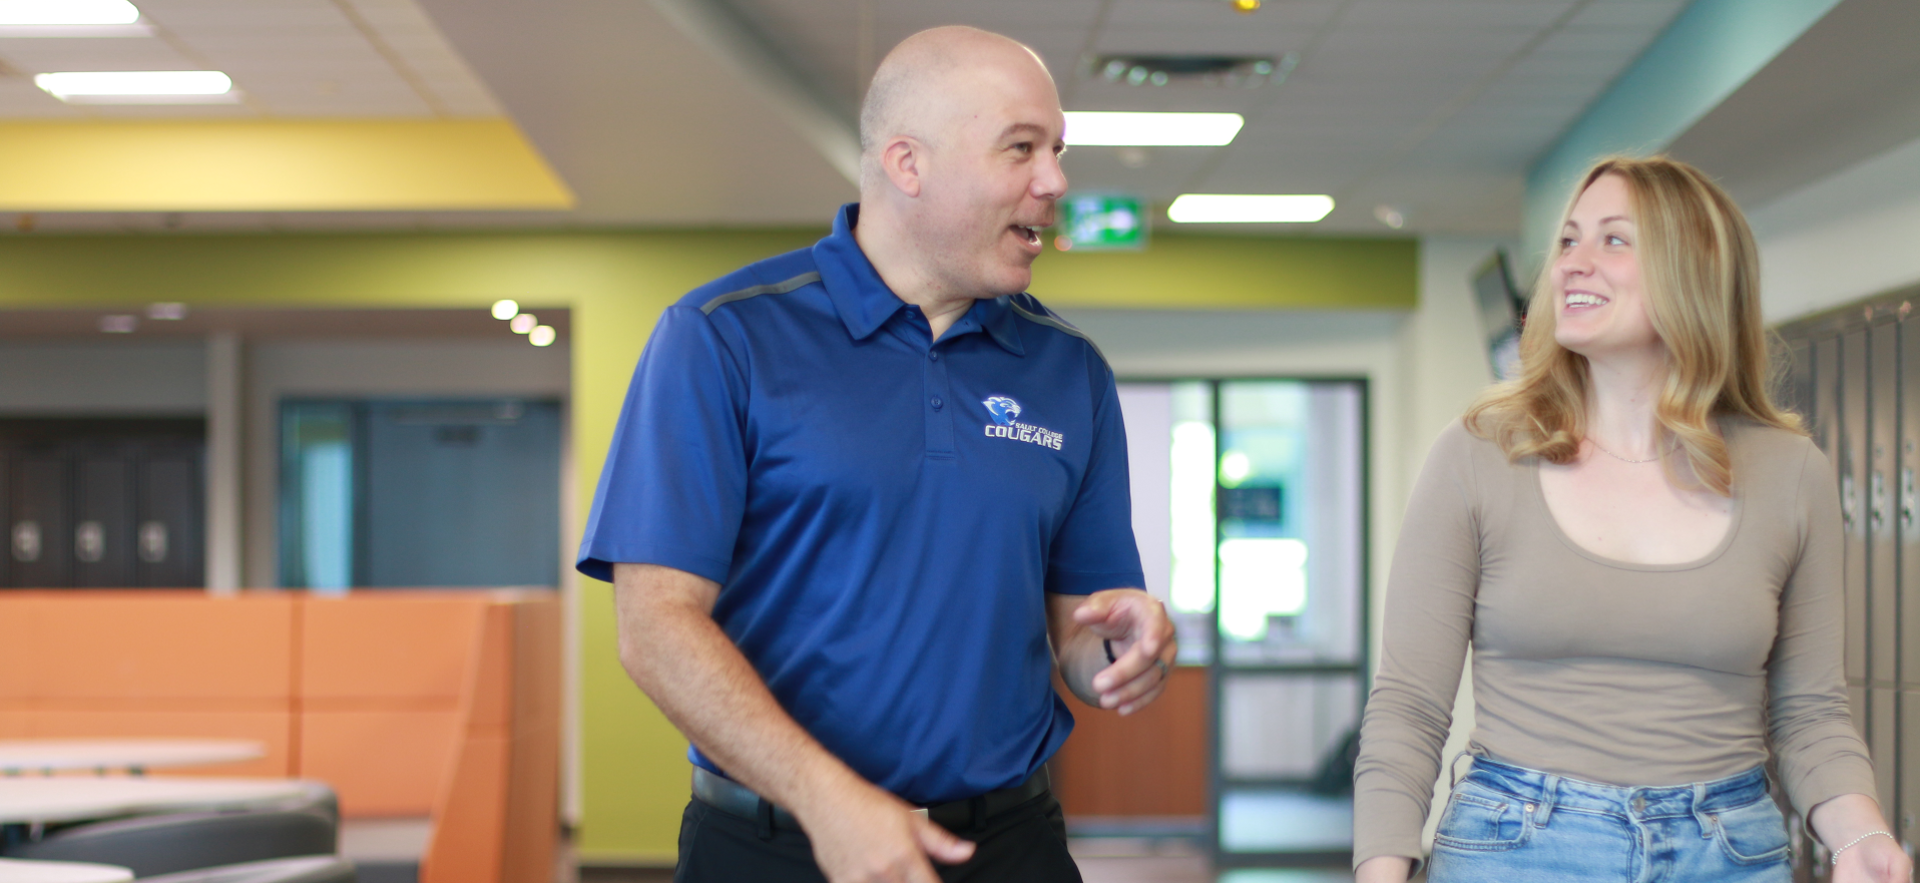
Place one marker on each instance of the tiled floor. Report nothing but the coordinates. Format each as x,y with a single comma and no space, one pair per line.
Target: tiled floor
1102,860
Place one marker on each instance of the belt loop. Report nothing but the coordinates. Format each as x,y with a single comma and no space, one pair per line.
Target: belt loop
977,813
1549,795
1453,769
1704,819
763,820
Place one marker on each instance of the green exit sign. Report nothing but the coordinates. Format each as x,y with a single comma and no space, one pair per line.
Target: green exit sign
1102,222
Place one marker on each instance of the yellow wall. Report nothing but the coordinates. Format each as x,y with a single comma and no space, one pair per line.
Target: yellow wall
616,283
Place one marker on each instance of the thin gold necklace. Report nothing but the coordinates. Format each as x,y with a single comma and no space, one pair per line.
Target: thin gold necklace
1603,450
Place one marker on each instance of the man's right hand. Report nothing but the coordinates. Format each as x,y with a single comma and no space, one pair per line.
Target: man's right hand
866,835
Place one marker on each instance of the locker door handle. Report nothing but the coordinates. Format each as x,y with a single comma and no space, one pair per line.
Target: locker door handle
153,541
26,542
1849,498
1906,502
90,542
1877,495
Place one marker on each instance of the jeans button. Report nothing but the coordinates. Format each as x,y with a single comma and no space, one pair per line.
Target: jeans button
1639,804
1529,807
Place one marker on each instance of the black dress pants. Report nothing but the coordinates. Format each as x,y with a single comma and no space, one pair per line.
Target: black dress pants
1026,844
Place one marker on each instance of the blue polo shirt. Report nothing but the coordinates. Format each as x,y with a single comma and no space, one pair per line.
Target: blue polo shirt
885,514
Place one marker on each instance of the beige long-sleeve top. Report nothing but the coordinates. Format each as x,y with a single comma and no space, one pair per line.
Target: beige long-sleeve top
1603,670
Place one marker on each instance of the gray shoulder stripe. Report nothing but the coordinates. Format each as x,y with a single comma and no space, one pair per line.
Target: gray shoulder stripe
1057,325
781,287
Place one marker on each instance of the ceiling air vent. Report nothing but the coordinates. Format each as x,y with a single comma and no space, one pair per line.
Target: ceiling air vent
1232,71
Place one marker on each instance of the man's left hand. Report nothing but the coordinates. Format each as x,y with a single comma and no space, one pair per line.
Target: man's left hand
1136,625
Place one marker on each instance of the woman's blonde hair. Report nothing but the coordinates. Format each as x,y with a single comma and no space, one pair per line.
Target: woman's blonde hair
1700,271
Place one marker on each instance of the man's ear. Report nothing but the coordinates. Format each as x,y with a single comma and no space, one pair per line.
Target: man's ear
902,159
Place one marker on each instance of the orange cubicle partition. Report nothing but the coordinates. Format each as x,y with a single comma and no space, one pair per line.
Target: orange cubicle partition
424,703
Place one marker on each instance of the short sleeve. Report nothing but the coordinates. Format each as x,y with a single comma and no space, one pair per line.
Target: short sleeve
1094,548
673,489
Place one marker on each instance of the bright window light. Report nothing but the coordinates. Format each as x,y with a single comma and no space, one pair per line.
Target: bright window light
1260,578
1249,208
1126,129
524,323
67,12
1192,516
121,84
541,336
505,309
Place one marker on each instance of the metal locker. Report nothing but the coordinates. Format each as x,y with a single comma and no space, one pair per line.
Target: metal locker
1796,393
6,515
1851,447
1823,407
1906,820
39,536
1883,746
1909,609
103,521
167,542
1883,491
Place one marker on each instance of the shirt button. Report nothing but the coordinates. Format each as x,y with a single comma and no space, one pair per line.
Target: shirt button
933,356
937,403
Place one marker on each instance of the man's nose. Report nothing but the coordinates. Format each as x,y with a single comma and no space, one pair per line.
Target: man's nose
1050,180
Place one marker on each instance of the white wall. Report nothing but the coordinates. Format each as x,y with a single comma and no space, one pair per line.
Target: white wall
1842,238
105,377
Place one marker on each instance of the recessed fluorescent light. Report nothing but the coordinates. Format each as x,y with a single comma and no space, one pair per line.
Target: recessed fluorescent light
67,12
505,309
138,87
541,336
524,323
1125,129
1249,208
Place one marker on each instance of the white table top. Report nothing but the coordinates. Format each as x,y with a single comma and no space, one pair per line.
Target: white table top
18,871
120,754
30,799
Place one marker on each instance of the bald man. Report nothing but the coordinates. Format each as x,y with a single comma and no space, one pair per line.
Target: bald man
863,496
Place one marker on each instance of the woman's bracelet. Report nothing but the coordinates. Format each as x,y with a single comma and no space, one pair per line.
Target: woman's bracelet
1850,843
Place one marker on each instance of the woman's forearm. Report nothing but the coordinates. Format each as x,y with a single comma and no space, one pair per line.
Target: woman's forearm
1384,869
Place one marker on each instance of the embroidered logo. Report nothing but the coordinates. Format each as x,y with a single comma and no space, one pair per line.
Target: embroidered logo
1005,411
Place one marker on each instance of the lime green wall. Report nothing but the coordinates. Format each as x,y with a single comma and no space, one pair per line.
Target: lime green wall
615,283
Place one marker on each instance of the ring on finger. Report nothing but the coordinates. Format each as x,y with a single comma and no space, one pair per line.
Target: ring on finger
1161,664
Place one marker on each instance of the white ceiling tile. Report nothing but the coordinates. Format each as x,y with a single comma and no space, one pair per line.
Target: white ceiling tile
1426,15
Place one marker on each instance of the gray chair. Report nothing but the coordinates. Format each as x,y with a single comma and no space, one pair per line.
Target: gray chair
164,844
311,869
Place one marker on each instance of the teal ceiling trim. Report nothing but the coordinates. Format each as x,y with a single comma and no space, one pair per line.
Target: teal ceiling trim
1710,49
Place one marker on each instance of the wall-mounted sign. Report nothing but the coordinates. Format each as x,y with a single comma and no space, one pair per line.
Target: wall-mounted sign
1101,222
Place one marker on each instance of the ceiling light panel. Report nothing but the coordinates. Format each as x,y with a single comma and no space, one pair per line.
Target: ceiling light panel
1131,129
139,87
67,12
1249,208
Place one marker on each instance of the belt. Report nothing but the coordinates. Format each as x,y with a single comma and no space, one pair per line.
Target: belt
735,799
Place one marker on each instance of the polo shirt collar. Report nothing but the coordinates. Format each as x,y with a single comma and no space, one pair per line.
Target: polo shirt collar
864,301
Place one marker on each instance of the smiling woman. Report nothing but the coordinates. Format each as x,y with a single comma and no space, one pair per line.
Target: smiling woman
1646,555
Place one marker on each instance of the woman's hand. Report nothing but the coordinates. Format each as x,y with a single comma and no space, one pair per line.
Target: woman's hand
1384,869
1875,859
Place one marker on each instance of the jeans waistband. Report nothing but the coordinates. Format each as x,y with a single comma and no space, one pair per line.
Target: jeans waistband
1555,791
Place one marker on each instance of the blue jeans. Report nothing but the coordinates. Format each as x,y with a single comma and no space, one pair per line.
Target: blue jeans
1504,823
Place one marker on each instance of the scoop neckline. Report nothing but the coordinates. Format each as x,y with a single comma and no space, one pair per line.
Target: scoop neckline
1553,524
